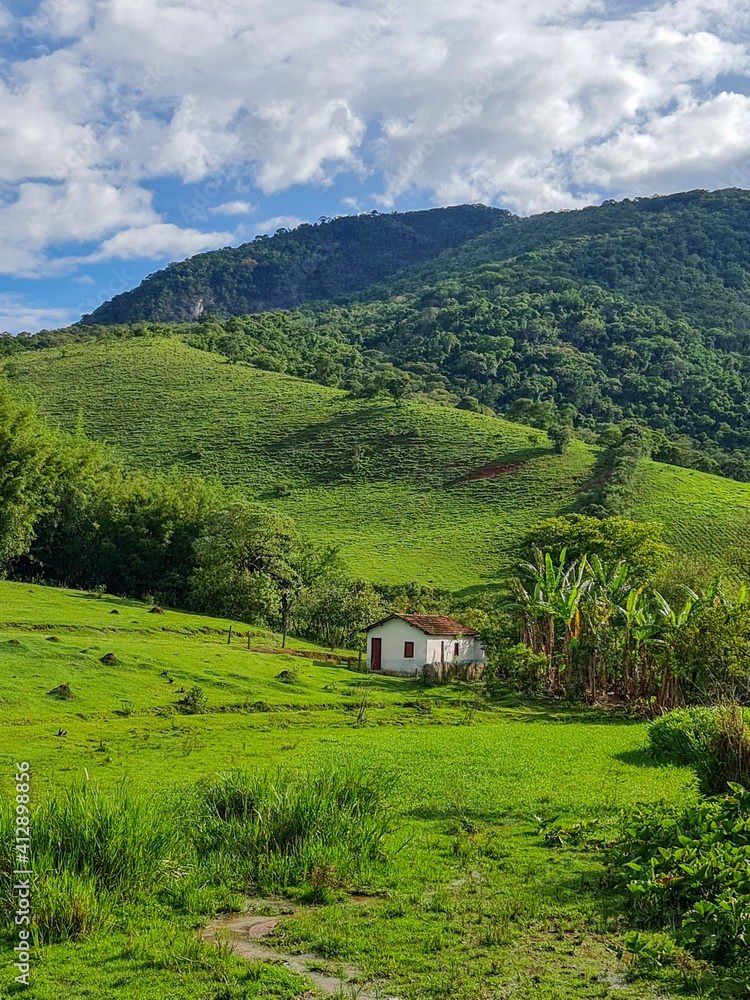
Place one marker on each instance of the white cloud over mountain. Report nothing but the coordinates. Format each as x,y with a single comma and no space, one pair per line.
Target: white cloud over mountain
534,104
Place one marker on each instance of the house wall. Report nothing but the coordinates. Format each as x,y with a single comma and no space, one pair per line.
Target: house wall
470,650
394,634
427,649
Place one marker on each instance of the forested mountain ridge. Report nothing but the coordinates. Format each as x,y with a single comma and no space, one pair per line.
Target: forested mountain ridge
322,261
687,253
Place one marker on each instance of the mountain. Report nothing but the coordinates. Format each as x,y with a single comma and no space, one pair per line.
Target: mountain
323,261
687,253
629,311
408,489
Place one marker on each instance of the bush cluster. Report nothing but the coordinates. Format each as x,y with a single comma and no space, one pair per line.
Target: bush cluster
715,742
687,871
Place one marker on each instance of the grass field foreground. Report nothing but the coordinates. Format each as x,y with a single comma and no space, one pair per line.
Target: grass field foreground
470,904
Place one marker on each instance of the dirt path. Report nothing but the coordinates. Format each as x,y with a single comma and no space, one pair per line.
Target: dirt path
488,472
244,933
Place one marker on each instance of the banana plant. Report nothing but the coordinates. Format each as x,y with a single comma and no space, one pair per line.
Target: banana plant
640,618
549,602
670,623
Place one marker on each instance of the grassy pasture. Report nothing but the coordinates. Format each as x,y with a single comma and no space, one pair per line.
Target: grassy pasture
471,904
386,481
703,515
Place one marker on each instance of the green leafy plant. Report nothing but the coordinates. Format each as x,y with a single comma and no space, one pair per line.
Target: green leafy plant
715,742
194,702
688,871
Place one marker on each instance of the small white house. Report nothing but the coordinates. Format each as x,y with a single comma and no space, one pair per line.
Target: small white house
404,644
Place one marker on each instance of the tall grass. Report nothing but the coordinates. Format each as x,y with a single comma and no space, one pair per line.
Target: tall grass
124,841
94,850
89,849
280,831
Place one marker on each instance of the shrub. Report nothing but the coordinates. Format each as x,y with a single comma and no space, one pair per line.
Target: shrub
519,667
194,702
688,870
288,677
729,744
681,736
715,742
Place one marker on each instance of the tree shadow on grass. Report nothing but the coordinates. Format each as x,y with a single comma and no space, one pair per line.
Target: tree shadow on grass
118,602
645,757
521,709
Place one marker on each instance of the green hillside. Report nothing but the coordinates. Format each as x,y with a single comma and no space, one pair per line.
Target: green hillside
631,311
703,515
410,490
323,261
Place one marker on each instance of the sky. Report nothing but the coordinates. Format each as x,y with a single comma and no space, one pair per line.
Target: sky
137,132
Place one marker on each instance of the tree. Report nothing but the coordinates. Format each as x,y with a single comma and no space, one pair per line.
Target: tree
612,539
29,472
336,611
561,435
712,649
252,564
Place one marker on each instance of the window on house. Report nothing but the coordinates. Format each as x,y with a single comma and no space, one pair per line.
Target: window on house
455,649
408,650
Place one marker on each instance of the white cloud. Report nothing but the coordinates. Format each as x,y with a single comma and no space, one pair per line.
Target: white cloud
233,208
278,222
535,104
47,215
158,240
16,316
702,139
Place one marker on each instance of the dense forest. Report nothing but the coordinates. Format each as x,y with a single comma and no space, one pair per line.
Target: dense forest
321,261
687,253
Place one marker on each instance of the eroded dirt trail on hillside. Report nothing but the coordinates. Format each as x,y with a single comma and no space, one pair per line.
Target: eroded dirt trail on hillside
244,932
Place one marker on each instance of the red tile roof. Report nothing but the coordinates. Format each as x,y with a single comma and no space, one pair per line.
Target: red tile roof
431,624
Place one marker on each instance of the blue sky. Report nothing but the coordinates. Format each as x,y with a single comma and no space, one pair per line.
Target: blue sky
136,132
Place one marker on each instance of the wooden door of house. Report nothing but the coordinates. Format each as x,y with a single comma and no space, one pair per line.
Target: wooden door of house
375,654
